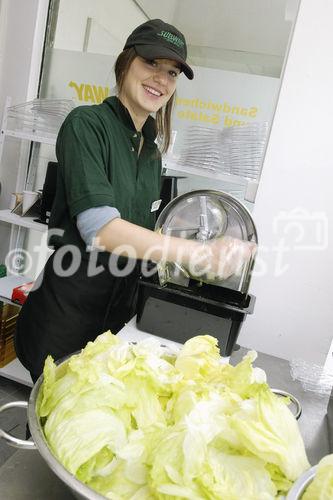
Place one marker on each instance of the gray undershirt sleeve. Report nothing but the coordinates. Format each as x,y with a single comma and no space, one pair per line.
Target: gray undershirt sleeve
90,221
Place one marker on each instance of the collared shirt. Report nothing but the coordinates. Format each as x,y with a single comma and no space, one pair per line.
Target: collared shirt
97,151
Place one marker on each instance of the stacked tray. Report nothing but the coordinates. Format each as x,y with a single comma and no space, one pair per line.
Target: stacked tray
44,116
237,150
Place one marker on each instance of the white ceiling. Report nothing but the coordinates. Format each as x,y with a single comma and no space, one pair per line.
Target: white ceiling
241,35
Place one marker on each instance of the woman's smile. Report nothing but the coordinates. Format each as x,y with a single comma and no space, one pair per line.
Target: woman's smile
152,91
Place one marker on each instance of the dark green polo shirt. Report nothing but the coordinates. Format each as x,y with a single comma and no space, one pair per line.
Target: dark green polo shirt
97,152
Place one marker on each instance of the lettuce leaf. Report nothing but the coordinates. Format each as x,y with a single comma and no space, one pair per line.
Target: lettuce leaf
135,422
79,437
268,430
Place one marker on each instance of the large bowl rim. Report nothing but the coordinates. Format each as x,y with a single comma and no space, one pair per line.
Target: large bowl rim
39,439
299,487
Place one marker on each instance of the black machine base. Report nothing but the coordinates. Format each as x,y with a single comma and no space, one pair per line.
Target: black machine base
178,313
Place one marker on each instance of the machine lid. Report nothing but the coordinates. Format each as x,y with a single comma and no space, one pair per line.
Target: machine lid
205,215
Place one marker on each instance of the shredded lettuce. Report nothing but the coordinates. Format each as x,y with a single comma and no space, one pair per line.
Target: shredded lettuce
133,422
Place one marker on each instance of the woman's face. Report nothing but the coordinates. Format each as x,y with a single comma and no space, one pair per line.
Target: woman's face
148,85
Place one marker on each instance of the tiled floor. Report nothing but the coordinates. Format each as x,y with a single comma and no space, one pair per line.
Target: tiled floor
14,420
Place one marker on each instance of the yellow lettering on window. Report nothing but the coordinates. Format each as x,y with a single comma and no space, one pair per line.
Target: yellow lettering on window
253,112
88,93
244,111
78,89
100,93
215,119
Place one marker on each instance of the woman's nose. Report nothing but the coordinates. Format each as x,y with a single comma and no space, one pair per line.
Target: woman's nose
160,75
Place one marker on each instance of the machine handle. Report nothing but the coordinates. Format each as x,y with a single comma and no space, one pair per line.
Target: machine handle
292,398
11,440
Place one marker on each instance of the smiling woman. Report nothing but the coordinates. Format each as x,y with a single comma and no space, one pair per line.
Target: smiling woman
108,189
108,183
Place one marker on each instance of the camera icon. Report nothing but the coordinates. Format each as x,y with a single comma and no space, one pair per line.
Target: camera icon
302,230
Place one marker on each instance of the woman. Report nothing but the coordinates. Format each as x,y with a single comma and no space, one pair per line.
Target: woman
108,188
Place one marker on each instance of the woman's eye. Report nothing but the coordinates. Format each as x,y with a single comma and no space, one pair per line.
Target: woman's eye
151,62
173,73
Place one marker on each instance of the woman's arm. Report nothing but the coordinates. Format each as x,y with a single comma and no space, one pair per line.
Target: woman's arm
146,244
222,257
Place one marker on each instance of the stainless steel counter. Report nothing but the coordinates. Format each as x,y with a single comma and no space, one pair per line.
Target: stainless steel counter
25,475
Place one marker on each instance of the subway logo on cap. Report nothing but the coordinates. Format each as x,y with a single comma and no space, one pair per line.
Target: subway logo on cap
171,38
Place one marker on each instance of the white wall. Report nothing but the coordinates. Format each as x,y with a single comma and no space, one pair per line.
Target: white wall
293,317
20,55
22,27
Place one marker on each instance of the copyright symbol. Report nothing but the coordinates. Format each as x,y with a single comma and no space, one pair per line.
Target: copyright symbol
17,261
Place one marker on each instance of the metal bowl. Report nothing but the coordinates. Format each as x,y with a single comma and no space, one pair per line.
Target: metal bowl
79,490
296,405
299,487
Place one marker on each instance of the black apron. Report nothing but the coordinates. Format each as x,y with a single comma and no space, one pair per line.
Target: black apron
61,314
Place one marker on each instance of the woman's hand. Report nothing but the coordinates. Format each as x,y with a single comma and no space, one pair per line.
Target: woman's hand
220,258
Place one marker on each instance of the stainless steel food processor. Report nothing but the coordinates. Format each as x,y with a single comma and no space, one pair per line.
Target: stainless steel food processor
175,305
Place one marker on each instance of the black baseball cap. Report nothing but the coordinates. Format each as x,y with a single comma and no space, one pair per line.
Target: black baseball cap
156,39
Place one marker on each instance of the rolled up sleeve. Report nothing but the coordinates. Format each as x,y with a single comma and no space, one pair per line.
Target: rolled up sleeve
90,221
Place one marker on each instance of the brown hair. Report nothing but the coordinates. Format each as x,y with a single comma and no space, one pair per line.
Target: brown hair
163,115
